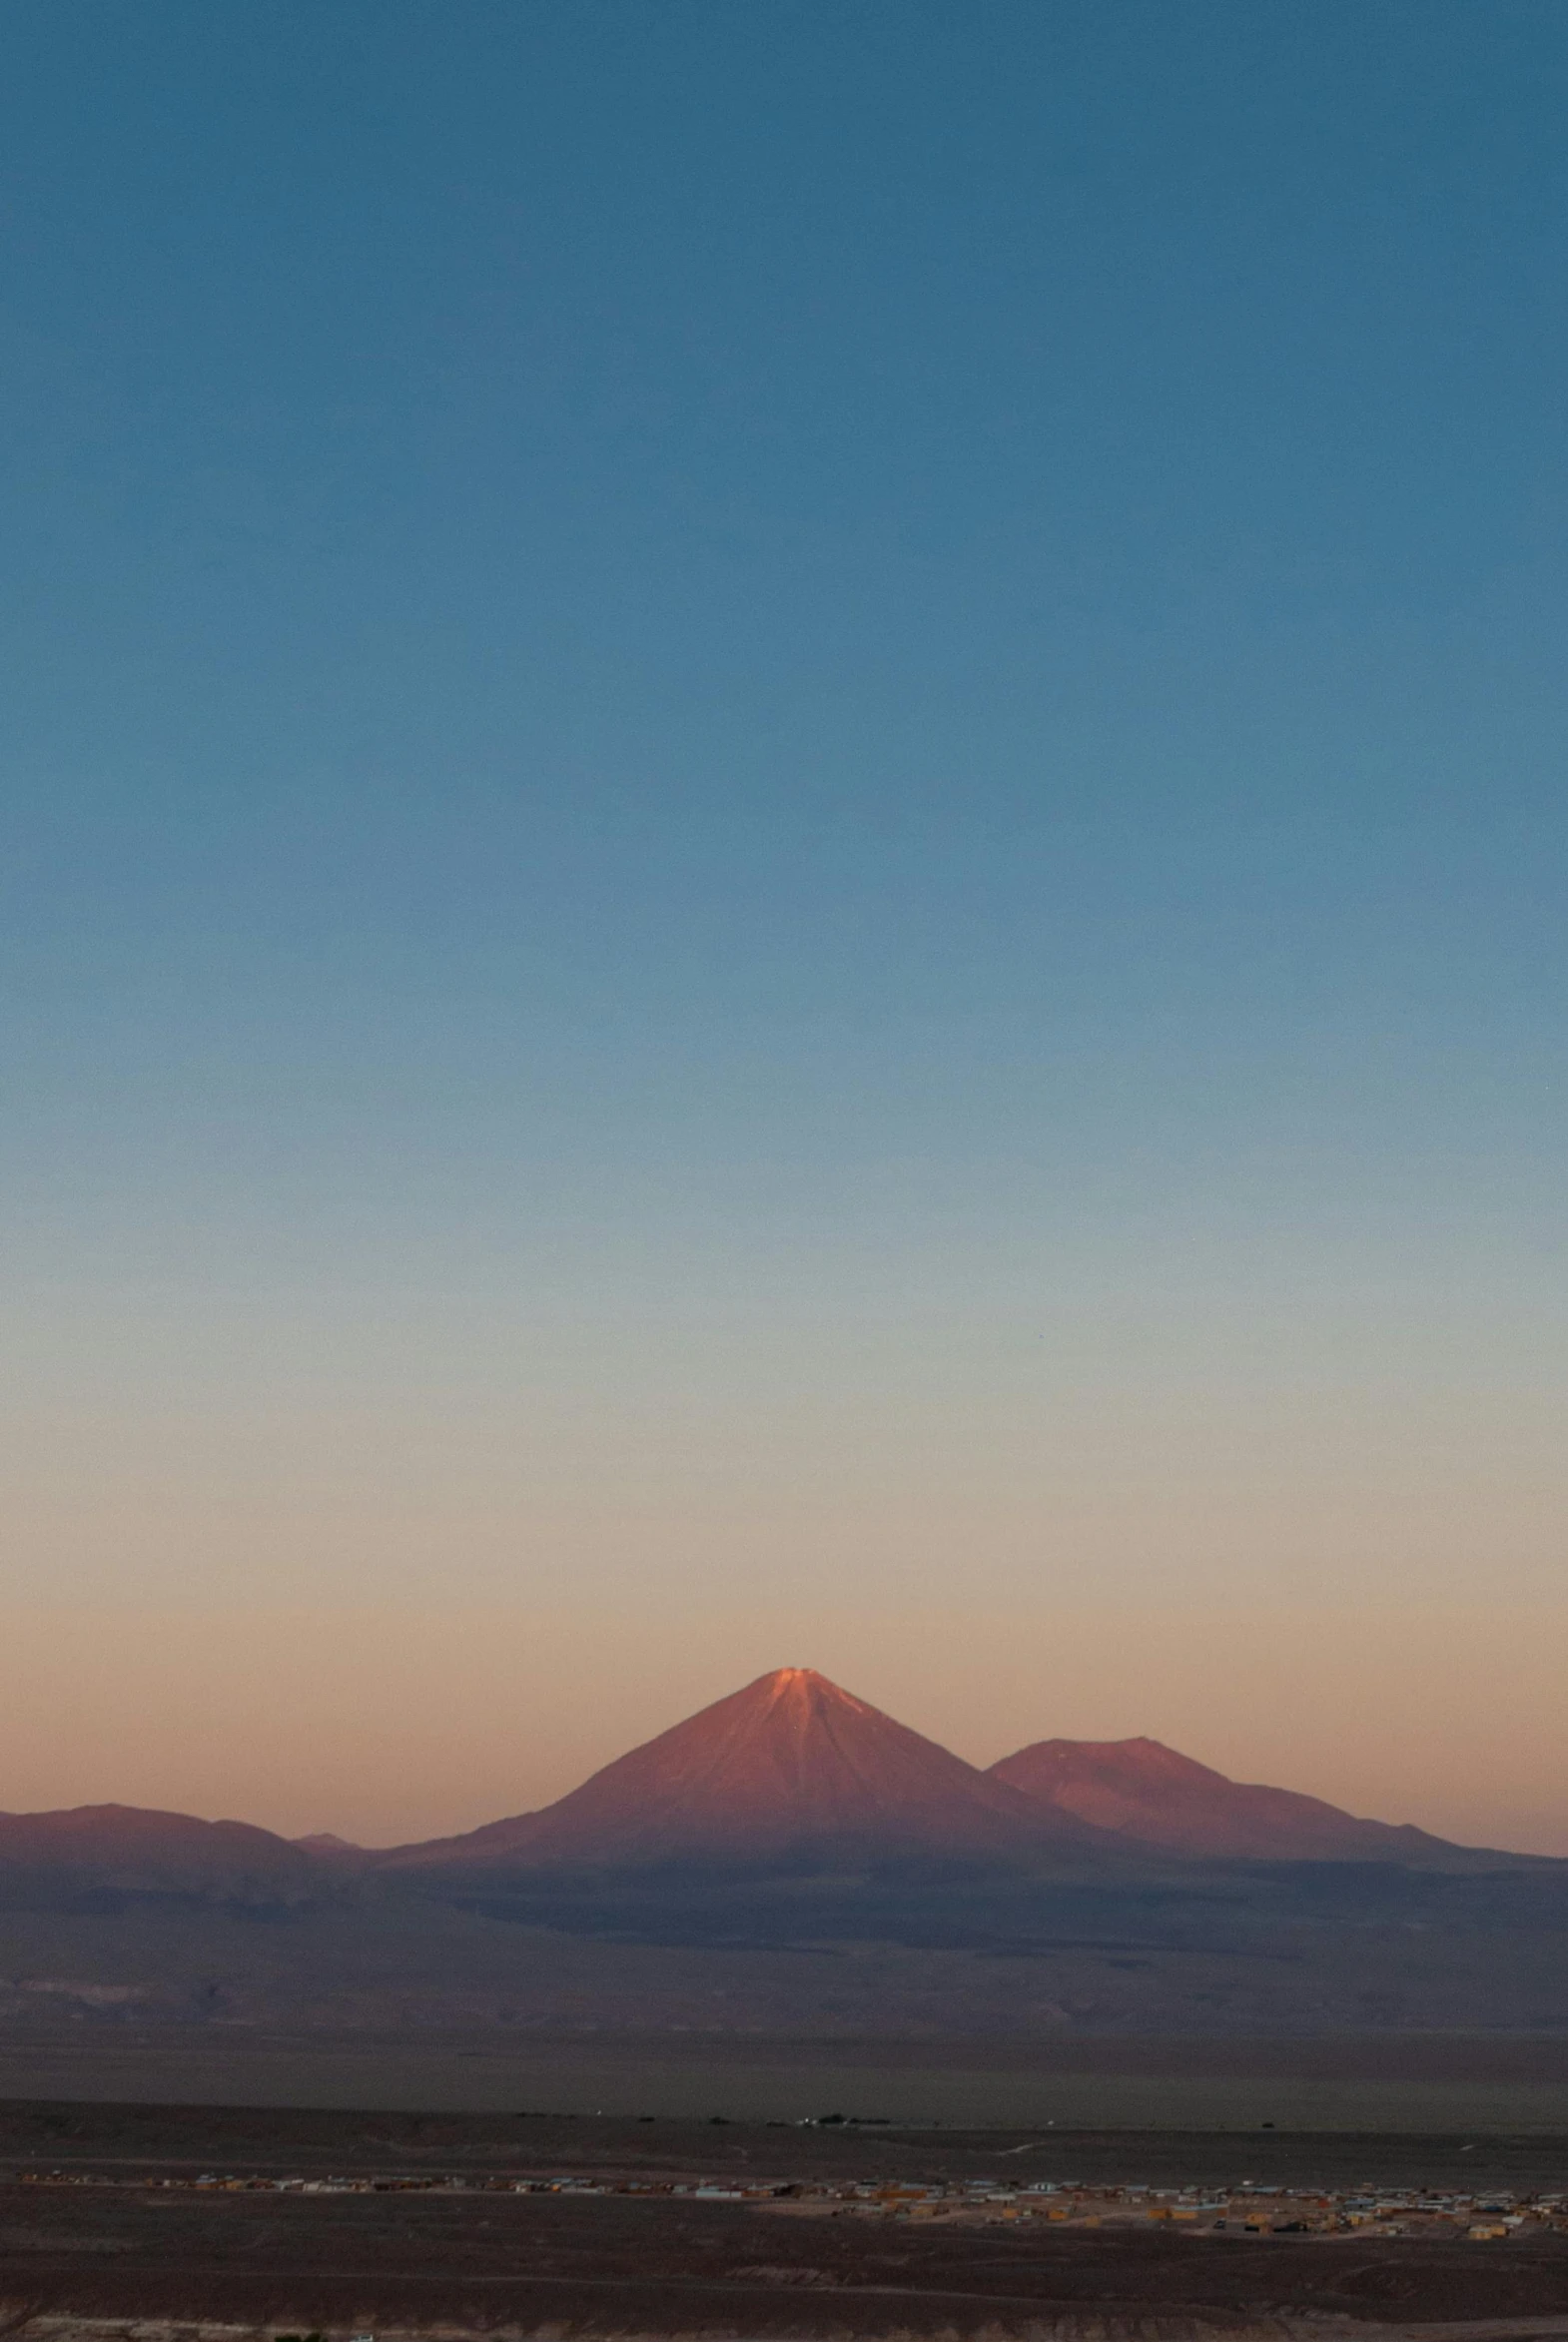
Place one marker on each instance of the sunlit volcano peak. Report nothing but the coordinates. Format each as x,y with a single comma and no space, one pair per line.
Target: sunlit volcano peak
791,1759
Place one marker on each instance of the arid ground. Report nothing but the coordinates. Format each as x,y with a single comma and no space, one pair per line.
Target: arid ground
103,2258
1426,2084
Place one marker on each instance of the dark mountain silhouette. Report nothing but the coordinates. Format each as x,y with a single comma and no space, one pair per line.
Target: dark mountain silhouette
121,1850
1156,1797
792,1860
789,1764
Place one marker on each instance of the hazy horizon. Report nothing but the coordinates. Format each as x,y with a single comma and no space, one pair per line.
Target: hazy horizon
432,1778
782,868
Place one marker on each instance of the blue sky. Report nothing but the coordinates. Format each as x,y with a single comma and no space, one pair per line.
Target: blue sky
806,761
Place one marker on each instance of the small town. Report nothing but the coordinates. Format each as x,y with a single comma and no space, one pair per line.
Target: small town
1247,2210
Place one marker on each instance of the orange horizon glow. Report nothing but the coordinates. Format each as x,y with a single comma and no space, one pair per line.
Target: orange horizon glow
394,1726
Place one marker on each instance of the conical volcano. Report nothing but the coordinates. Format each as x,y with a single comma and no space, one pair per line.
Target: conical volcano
792,1763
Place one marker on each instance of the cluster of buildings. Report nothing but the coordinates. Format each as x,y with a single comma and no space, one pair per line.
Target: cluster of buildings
1247,2210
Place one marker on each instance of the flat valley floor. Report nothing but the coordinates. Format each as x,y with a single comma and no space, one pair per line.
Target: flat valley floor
82,2263
1425,2082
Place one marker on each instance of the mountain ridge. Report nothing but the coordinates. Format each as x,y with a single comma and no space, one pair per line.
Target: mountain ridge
791,1765
1153,1796
146,1851
791,1858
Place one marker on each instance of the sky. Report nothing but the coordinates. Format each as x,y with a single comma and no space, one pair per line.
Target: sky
782,878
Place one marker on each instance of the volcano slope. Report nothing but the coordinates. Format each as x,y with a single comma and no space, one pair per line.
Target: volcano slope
788,1812
790,1859
819,1862
1153,1796
791,1769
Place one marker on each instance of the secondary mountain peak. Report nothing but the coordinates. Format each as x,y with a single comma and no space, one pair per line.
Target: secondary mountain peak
1156,1797
791,1761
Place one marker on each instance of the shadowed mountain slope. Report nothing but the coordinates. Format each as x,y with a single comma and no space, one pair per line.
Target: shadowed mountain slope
121,1850
1156,1797
789,1764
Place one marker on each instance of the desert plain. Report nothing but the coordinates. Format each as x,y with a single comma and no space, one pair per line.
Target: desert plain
138,2222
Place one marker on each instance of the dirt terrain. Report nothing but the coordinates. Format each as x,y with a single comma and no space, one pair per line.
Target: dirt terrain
1428,2083
133,2140
481,2261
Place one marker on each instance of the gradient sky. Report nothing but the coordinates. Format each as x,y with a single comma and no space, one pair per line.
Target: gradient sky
783,883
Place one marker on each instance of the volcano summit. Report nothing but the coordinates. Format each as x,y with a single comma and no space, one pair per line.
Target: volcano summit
789,1766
